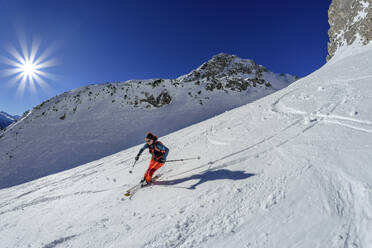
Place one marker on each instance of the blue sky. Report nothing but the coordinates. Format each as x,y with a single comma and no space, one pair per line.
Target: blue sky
112,40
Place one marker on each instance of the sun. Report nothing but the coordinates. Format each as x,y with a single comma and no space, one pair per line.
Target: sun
29,69
28,66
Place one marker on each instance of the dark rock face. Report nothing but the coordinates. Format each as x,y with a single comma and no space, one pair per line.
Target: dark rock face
161,100
349,19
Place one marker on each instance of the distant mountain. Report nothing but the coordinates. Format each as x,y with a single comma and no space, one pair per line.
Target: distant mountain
7,119
98,120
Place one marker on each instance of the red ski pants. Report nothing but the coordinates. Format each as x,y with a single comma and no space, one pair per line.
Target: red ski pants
153,166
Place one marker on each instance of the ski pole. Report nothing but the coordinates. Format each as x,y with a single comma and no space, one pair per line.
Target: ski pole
182,159
130,171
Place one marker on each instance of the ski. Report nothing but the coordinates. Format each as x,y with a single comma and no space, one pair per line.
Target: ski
130,192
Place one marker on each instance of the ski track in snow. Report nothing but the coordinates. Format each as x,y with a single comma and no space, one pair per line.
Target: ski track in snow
316,115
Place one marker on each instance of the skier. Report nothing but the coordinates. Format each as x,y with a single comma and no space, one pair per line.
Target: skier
159,154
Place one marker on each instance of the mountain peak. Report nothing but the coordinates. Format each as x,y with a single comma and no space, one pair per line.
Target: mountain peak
223,65
224,57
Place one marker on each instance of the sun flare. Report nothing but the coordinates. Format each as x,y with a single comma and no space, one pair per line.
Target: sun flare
28,67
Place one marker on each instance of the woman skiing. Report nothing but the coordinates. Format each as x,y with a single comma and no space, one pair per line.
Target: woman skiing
159,154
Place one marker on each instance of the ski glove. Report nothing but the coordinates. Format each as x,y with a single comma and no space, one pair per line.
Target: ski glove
136,158
161,160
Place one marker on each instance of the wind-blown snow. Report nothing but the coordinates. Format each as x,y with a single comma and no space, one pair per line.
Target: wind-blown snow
292,169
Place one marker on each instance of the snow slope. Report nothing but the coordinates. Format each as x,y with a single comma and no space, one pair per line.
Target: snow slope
292,169
89,123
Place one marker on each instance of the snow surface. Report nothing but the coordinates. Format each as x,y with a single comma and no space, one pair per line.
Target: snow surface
292,169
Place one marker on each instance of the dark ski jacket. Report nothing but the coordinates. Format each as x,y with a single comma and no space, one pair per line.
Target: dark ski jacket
157,150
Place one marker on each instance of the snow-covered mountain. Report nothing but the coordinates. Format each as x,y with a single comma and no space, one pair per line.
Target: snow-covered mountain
292,169
6,119
98,120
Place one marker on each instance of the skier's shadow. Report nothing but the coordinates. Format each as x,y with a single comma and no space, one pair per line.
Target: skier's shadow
213,175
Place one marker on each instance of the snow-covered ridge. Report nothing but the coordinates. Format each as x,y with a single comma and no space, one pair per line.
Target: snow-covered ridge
292,169
88,123
6,119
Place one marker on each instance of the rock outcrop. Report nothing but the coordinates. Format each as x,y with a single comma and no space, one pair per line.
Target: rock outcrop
349,20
